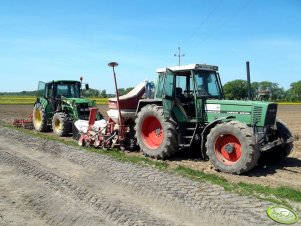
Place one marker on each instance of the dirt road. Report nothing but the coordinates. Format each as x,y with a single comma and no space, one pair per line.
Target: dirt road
46,183
287,173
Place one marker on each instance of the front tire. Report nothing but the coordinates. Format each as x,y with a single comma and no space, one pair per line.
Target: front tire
39,118
155,135
61,124
231,147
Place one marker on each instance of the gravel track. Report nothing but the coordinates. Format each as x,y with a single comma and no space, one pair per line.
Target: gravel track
47,183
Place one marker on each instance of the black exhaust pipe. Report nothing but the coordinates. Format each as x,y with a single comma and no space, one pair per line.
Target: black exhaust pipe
249,81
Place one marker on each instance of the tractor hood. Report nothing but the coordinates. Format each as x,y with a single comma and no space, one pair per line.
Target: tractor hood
251,112
78,101
79,107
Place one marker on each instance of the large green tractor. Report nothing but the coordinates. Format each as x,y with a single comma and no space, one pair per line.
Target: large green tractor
58,105
189,110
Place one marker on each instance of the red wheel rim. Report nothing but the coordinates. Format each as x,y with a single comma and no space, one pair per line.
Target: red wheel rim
227,149
152,133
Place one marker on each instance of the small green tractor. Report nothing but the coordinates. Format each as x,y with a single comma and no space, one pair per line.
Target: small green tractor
189,110
58,105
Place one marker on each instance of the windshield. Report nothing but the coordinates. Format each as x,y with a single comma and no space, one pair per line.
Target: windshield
207,84
68,90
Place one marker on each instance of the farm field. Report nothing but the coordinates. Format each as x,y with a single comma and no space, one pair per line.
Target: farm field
287,173
44,182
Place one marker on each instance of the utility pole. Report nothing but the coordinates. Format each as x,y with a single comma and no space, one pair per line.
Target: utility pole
179,55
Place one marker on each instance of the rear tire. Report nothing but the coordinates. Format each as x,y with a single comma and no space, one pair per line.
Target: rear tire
231,147
155,135
39,118
285,134
279,153
60,124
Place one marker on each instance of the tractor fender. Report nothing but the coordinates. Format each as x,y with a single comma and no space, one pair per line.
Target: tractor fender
207,129
145,102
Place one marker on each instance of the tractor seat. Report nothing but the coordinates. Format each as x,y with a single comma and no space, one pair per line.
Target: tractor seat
180,95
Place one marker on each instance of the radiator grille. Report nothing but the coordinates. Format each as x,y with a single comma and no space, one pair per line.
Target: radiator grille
257,112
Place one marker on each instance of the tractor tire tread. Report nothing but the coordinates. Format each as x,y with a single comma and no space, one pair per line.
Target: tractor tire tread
43,125
169,145
64,120
251,150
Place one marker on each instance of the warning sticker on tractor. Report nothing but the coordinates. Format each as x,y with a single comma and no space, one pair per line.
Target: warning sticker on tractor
213,108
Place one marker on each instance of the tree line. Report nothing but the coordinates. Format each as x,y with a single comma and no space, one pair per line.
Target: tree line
103,93
85,93
238,89
235,89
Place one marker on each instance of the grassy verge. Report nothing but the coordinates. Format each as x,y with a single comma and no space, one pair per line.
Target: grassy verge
279,195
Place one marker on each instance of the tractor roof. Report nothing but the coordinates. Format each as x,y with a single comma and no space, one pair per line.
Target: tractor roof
205,67
64,81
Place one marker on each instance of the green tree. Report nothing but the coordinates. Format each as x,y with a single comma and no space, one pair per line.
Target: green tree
121,91
90,93
103,94
277,93
254,89
296,91
127,90
236,89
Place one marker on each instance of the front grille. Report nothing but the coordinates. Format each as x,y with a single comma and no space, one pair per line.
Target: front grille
271,114
83,111
257,112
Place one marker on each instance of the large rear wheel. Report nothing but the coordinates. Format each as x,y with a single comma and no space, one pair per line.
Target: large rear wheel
60,124
155,135
231,147
39,118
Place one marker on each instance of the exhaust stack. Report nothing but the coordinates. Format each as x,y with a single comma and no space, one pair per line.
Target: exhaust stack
249,80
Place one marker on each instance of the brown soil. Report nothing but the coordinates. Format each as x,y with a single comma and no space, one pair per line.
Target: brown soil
286,173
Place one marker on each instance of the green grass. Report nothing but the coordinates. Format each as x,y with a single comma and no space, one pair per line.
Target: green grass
17,100
280,195
29,100
289,103
100,100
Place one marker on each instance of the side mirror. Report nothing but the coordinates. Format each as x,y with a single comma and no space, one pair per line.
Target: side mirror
87,86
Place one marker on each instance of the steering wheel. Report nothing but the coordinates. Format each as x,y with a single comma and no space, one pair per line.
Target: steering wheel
189,94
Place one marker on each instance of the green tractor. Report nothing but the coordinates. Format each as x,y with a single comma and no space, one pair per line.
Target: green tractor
189,110
58,105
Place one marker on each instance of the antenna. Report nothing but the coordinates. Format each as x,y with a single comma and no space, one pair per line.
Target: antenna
179,55
120,121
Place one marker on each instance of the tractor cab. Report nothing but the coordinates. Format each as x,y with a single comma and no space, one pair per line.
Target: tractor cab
184,90
55,90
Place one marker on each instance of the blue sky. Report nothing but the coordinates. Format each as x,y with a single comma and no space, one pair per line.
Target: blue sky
46,40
